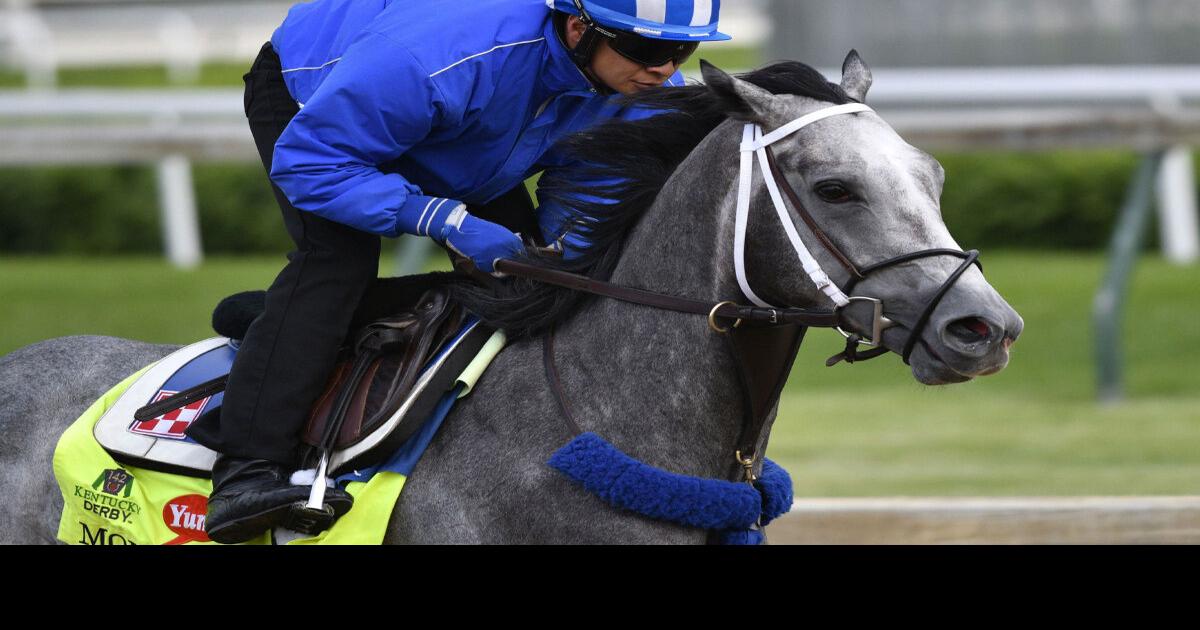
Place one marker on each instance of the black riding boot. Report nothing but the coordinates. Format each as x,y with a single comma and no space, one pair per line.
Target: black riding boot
251,496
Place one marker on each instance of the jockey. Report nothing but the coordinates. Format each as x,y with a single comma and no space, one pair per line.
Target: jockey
387,117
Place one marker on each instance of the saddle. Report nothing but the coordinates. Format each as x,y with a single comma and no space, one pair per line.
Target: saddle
363,409
389,378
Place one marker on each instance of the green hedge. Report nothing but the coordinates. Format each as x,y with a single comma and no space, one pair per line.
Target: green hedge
1063,200
114,210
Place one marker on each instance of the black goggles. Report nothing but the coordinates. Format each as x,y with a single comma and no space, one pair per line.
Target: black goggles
648,52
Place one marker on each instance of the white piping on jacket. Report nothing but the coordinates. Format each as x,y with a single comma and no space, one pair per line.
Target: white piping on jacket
490,50
331,61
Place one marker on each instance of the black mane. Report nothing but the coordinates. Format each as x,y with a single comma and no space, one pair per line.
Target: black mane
641,155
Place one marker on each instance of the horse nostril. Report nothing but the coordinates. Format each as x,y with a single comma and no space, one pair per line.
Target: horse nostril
970,329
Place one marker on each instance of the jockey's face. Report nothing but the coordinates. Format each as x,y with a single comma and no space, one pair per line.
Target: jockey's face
618,73
627,76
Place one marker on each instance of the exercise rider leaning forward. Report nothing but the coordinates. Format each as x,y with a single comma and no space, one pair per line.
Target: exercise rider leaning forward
379,118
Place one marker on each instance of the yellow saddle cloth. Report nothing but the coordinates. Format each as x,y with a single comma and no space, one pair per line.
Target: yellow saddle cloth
109,503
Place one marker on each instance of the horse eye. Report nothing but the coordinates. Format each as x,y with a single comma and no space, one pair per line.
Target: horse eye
833,192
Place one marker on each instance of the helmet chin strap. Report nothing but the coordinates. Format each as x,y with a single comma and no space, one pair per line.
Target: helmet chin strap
601,86
584,51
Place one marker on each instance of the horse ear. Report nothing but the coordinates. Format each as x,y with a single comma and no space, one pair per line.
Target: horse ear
742,99
856,77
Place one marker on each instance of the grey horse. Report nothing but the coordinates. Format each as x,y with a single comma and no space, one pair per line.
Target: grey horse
658,385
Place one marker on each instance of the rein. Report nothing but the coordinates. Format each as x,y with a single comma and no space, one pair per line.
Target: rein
729,310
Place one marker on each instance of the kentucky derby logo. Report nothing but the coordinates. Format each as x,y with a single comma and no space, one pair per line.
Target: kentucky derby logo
171,425
184,515
114,481
112,501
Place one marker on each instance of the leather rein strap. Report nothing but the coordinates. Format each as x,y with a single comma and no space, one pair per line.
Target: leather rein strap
729,310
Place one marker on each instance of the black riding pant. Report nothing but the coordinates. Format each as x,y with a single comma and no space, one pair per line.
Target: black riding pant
291,349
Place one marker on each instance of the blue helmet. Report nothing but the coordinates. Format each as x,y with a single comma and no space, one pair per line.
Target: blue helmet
679,20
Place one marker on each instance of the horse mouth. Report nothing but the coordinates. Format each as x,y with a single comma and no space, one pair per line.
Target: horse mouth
931,368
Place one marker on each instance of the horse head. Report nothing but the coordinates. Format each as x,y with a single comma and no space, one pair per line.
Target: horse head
865,205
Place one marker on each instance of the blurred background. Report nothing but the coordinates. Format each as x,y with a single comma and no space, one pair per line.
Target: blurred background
131,201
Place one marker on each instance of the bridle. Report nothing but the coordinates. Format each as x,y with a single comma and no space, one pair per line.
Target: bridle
754,143
764,350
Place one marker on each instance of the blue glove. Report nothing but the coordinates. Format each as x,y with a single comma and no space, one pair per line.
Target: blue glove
482,241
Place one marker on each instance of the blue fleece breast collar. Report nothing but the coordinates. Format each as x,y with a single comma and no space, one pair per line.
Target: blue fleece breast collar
734,509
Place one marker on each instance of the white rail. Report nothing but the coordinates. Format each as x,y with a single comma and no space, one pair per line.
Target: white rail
1148,108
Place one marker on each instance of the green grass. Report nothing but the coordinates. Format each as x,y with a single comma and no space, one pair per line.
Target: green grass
971,441
152,76
11,78
211,75
862,430
141,298
136,297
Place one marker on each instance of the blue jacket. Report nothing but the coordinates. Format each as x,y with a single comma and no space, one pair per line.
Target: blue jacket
405,103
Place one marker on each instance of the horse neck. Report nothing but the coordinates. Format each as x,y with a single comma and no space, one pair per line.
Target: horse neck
661,385
683,245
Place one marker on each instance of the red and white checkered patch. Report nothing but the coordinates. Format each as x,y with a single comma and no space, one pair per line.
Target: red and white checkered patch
172,424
